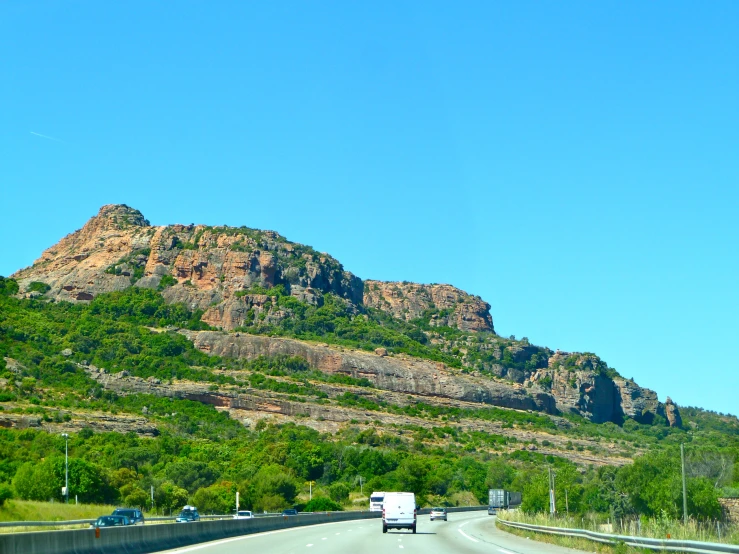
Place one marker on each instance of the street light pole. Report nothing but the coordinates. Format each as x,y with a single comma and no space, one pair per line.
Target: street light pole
66,466
685,496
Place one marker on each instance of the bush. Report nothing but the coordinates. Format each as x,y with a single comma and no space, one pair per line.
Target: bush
339,492
37,286
6,493
322,504
167,281
8,287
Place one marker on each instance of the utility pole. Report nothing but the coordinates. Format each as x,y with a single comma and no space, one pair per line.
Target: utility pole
685,495
567,504
552,505
66,467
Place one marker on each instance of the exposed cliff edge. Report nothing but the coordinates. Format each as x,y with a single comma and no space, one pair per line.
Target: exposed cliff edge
230,274
445,304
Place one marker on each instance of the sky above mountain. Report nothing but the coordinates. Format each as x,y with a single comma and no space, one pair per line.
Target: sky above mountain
573,164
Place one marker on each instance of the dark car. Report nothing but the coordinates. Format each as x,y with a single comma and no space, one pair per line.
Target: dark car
136,517
111,521
290,512
188,514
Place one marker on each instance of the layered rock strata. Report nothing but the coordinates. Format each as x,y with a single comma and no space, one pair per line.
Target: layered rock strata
400,374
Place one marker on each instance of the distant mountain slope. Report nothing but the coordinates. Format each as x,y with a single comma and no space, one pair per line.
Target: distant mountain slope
255,282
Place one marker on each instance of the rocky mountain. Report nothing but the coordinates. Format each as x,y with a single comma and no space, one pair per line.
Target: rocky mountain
251,286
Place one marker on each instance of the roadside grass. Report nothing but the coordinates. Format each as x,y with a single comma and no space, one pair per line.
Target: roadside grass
573,542
27,510
656,528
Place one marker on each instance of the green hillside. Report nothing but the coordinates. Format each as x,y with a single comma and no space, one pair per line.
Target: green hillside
203,456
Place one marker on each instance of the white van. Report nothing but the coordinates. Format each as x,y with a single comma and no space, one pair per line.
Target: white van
399,511
376,500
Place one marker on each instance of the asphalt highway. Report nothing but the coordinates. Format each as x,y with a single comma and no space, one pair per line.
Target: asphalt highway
467,533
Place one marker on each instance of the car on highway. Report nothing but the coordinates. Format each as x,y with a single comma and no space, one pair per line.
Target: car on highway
438,513
136,517
188,514
111,521
399,511
243,514
290,512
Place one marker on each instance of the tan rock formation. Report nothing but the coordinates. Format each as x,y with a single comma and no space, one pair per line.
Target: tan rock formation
118,248
400,374
407,301
672,413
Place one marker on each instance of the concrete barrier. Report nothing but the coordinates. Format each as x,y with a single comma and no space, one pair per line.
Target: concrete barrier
140,539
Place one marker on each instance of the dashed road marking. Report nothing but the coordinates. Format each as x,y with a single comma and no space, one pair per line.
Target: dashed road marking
247,537
504,551
308,545
467,536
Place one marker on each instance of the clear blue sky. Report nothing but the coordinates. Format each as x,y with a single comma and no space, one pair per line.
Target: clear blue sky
574,163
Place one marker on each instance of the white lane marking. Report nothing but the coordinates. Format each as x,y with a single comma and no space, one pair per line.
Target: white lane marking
338,533
504,551
308,545
463,524
323,539
400,546
247,537
467,536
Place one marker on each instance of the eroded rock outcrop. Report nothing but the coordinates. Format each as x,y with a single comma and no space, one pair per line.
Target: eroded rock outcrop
207,268
411,375
449,306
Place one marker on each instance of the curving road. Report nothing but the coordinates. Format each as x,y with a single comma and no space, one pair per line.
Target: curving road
468,533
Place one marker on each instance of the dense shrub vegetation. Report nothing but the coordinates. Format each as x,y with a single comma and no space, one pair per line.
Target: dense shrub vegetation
203,456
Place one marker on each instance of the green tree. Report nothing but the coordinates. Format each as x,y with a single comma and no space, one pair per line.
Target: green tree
169,497
36,482
134,496
216,499
339,492
8,287
536,493
500,475
274,487
6,493
322,504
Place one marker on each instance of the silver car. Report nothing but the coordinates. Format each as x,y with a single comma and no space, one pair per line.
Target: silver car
438,513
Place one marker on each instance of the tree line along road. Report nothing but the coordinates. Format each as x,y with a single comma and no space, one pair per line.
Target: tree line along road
467,533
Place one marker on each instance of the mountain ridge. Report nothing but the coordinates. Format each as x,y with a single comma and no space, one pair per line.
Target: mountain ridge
243,280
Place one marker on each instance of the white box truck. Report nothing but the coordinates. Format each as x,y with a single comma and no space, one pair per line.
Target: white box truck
376,500
399,511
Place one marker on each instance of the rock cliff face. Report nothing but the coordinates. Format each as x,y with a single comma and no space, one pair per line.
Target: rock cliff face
207,268
447,305
409,375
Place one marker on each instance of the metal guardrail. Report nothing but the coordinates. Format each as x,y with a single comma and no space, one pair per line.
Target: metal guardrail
664,545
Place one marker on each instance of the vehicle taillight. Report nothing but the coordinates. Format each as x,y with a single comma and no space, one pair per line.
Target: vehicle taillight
383,513
414,513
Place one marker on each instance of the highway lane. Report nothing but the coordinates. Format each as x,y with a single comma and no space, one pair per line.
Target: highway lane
467,533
